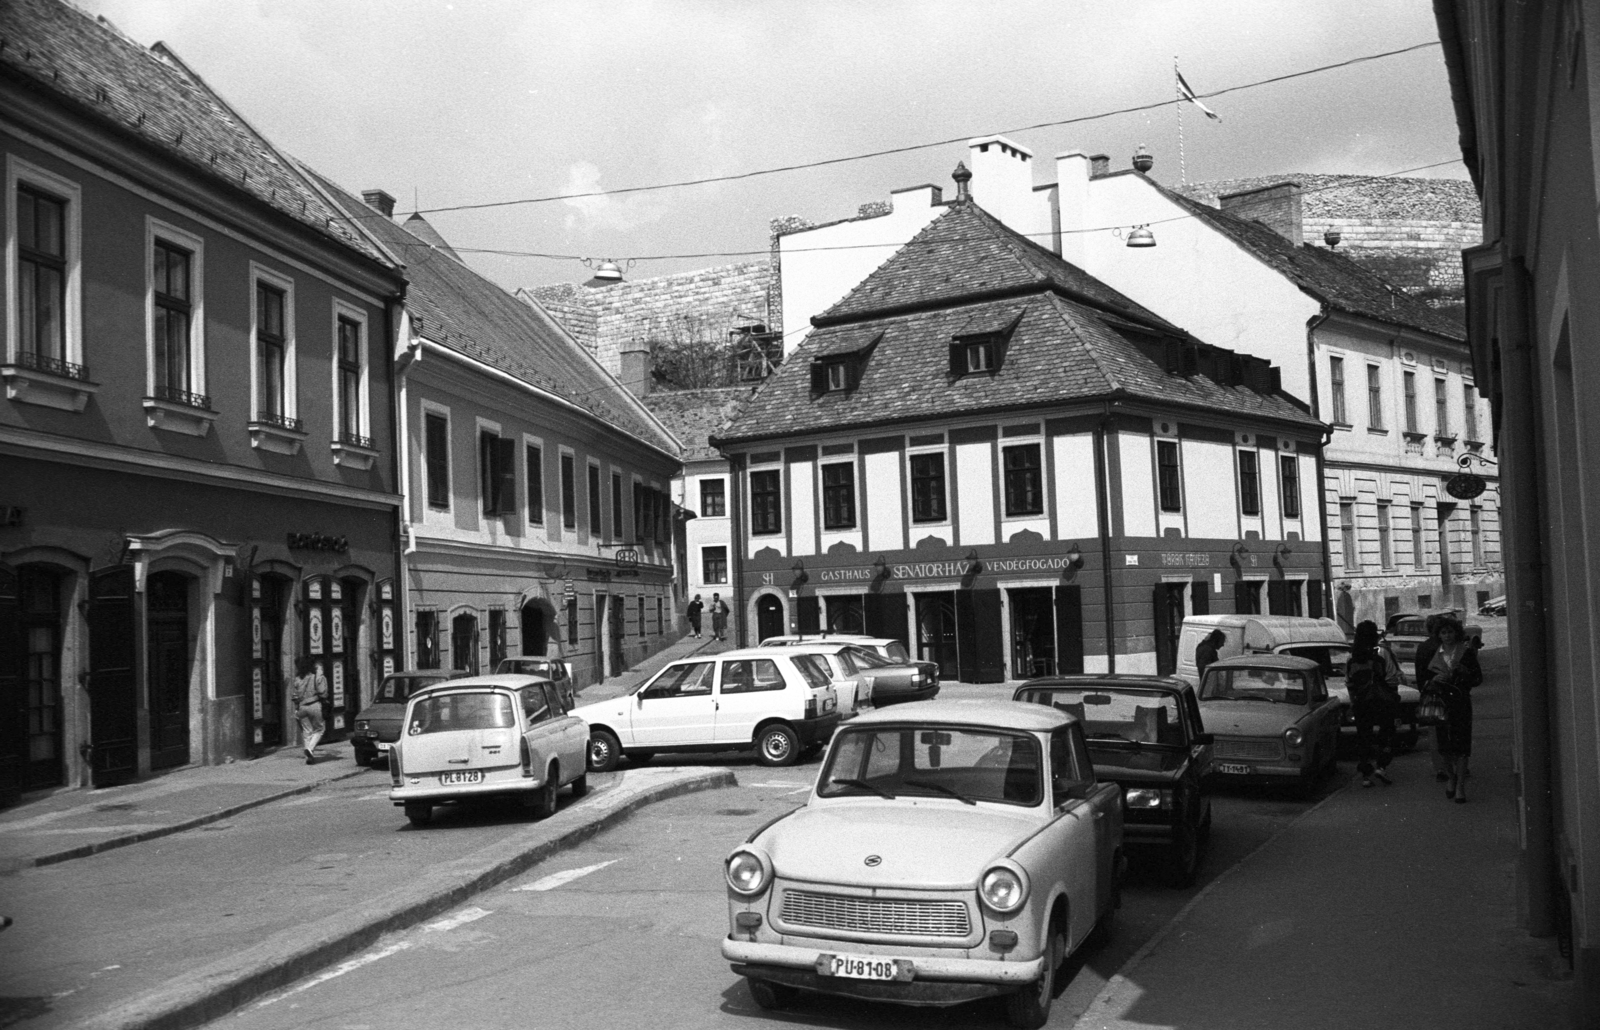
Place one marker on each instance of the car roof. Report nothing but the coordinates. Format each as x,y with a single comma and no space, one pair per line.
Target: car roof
444,673
1425,613
504,680
1264,661
738,652
824,638
1018,715
1110,680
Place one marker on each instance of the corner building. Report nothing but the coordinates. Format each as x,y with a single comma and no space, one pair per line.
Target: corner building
988,454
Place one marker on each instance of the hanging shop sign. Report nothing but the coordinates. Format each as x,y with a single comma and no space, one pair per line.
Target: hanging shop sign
1464,486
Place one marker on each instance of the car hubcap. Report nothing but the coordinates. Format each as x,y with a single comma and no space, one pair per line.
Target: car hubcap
777,746
598,752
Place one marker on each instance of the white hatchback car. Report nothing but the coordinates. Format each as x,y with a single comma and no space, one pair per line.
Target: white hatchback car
847,666
771,699
487,736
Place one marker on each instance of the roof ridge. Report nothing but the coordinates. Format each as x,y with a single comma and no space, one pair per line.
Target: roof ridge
1064,312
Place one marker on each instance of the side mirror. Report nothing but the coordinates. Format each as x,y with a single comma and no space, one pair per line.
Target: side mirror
638,699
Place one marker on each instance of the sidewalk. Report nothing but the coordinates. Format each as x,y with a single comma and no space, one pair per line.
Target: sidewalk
1378,908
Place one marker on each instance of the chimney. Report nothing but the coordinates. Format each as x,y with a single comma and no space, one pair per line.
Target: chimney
1002,181
1277,207
635,373
1099,164
379,201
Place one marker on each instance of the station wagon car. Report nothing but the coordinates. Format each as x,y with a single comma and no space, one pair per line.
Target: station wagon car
948,851
1144,734
845,664
378,726
899,677
773,700
487,736
1272,720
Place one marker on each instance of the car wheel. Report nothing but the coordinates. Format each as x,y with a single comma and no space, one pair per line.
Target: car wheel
1029,1008
580,786
1183,856
771,996
366,757
604,751
543,801
777,745
640,757
419,812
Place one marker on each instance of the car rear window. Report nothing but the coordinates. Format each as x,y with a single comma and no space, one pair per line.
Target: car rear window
1410,628
465,711
867,659
397,689
1136,716
936,761
1284,686
813,669
896,651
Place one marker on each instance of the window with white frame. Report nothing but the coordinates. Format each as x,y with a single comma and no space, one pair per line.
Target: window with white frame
928,488
272,343
351,417
175,281
436,456
44,325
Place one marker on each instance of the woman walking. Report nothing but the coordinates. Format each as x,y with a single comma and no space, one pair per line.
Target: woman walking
1454,672
309,693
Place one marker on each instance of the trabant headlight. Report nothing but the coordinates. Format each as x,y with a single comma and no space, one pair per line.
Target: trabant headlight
1293,737
363,725
1004,888
1147,797
749,872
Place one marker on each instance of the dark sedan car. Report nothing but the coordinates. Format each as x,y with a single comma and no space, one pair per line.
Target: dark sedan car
378,725
1144,733
894,675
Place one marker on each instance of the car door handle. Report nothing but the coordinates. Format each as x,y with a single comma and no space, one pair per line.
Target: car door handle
459,761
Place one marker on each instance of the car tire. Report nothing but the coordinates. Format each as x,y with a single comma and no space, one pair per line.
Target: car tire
640,757
777,745
580,786
770,996
419,812
543,801
604,751
1183,856
366,757
1029,1008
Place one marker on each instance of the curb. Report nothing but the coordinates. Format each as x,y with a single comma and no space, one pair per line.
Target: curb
111,843
212,991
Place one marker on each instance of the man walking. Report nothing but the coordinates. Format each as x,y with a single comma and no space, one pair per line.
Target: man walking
1344,607
719,616
1206,653
693,612
309,695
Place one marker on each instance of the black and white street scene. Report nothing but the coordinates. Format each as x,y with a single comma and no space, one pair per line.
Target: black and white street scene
828,513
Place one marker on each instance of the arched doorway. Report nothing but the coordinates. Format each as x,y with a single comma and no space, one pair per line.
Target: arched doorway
464,643
769,617
535,630
167,667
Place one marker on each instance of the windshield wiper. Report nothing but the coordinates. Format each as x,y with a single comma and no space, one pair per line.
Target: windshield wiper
941,788
864,785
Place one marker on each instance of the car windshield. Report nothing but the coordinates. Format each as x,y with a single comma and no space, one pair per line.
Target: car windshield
1134,716
864,659
948,761
396,689
814,667
443,713
1284,686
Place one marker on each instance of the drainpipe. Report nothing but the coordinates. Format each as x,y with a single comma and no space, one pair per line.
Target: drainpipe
1312,325
1102,502
736,541
407,353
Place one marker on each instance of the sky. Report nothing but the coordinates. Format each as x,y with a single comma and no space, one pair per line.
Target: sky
455,103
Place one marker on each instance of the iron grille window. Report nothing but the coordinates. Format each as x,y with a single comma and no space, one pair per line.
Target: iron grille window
349,377
1347,534
1410,380
1441,408
1374,397
766,502
569,492
839,495
41,275
1336,394
1167,475
927,488
1289,481
1249,483
497,462
271,345
713,565
713,498
594,500
533,458
173,314
1024,480
436,430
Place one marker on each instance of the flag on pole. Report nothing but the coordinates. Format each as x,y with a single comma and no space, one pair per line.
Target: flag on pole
1188,94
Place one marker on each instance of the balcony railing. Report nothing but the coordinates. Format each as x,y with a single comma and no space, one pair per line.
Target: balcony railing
184,397
356,440
54,366
281,421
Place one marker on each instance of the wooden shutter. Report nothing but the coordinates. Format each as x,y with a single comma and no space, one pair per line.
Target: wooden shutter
1200,596
486,471
1314,598
966,638
1166,658
113,676
885,615
505,460
1277,597
1069,629
989,639
819,377
808,615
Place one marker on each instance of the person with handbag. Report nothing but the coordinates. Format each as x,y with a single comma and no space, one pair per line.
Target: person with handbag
1373,680
309,693
1454,672
1431,707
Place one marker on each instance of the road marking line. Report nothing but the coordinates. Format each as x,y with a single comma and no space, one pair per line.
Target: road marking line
554,880
339,970
461,918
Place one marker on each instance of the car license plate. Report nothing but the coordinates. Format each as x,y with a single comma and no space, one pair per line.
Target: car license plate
384,747
1234,768
450,779
865,967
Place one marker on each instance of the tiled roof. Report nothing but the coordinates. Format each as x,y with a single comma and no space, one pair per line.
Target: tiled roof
461,310
419,227
1328,276
1401,197
965,252
150,95
1060,350
694,415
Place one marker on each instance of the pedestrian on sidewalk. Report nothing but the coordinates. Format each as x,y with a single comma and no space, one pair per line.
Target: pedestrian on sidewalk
1206,652
1455,671
693,611
1425,652
1344,608
309,693
719,616
1373,680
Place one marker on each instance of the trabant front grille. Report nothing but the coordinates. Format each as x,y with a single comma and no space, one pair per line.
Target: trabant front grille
876,915
1247,747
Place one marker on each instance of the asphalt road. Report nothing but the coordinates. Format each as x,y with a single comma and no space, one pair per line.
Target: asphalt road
625,929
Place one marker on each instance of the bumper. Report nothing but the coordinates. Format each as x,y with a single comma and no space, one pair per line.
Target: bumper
818,730
1262,772
880,698
1146,834
934,981
499,782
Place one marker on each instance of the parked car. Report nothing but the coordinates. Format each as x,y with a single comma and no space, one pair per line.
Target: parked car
1494,606
1272,720
948,851
910,680
846,664
772,699
487,736
377,727
1332,658
555,669
1405,632
1145,734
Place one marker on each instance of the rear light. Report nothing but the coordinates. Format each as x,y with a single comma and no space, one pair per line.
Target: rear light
811,707
527,758
394,765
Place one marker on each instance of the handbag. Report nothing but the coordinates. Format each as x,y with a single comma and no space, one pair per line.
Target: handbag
1430,710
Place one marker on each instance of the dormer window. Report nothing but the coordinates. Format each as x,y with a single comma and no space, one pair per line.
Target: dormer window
834,375
980,347
838,376
840,359
981,356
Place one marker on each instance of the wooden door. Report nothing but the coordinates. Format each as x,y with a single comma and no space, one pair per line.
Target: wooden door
113,677
167,667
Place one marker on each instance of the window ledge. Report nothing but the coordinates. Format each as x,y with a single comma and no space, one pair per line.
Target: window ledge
354,456
36,386
1474,445
1412,434
1378,430
178,418
1440,438
276,439
1341,425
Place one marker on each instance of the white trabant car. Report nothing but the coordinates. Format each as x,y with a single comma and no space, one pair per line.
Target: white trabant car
502,735
950,850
